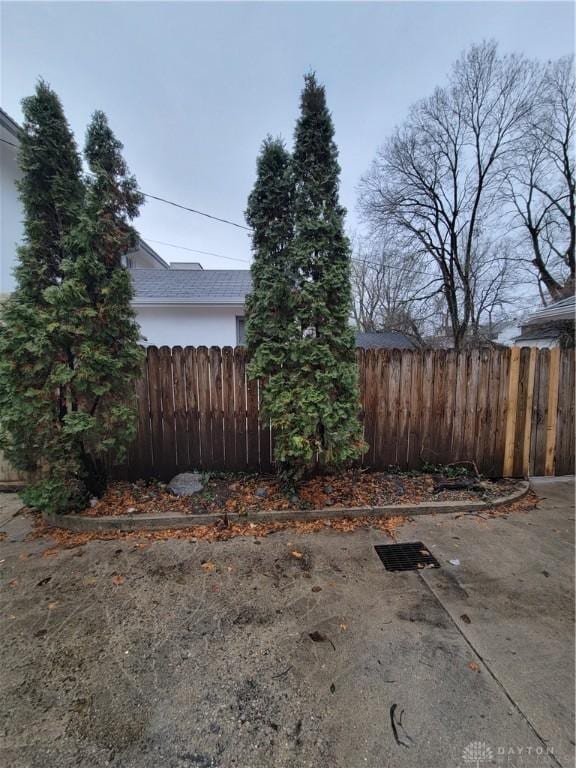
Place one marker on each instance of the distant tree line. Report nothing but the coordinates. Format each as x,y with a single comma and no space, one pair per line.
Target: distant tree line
471,198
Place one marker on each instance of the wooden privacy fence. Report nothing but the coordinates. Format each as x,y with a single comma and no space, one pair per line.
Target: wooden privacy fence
511,411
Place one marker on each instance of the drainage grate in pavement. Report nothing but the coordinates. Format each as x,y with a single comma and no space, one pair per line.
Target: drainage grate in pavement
411,556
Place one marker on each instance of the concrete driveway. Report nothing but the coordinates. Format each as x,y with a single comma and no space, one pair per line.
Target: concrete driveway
178,653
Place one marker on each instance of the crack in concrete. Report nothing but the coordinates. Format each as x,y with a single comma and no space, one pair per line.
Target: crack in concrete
492,674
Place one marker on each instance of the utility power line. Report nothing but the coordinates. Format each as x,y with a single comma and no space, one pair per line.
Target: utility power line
195,250
194,210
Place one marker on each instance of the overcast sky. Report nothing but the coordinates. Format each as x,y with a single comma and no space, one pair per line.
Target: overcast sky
191,89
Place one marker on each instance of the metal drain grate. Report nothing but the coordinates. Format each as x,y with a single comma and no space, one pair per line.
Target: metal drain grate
412,556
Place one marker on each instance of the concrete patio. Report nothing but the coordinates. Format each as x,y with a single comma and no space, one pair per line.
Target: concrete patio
179,653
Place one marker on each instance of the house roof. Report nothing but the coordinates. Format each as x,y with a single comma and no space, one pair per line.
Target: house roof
530,333
9,124
384,340
191,286
558,310
142,245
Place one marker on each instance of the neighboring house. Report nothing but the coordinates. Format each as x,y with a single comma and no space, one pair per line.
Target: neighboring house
191,306
384,340
552,326
11,229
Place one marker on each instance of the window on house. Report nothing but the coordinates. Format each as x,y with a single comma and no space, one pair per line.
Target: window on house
240,331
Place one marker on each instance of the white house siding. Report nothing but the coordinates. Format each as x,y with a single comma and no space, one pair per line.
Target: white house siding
189,325
11,229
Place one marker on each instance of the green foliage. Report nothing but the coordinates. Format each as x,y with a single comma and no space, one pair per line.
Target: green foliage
69,350
299,335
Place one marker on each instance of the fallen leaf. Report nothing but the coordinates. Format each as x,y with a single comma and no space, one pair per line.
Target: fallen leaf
13,583
297,554
343,627
208,566
473,666
316,589
466,619
117,580
317,637
51,606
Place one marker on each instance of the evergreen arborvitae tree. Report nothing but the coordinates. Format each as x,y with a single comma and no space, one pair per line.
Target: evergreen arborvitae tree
319,403
95,313
271,325
69,349
52,192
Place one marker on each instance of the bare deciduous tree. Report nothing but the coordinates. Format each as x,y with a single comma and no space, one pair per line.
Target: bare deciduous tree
393,291
437,182
541,180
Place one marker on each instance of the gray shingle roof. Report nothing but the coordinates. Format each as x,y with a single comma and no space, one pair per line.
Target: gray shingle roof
191,286
558,310
384,340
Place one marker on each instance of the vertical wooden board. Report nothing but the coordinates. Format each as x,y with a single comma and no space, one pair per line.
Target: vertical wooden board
525,386
426,452
438,440
511,412
180,410
192,412
483,437
490,465
361,368
447,425
155,392
370,405
204,412
264,446
395,368
405,403
382,447
552,417
216,412
472,372
565,427
540,413
534,427
501,420
528,415
458,431
143,455
252,424
168,455
415,437
240,408
228,408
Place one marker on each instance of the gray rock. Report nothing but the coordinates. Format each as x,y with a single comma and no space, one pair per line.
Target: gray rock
186,484
261,492
328,489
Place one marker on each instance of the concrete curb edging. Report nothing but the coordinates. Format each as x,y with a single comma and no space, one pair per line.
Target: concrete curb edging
81,523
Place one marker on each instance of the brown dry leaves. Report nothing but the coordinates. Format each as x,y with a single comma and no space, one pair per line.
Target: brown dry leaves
69,539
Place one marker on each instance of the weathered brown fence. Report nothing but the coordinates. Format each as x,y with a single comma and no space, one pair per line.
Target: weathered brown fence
511,411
